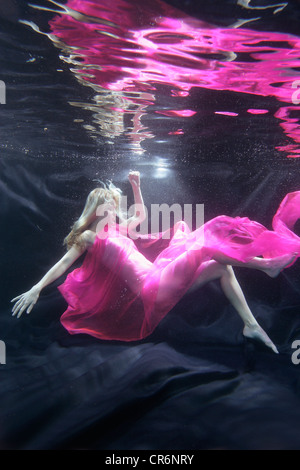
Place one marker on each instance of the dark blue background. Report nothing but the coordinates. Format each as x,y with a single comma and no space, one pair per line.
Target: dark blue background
195,383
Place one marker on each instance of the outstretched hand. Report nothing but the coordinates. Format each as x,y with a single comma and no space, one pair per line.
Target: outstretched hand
25,301
134,178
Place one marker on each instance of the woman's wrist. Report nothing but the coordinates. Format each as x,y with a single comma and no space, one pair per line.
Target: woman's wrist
37,287
136,187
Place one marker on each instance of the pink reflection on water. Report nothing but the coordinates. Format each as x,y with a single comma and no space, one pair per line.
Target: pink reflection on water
226,113
151,43
174,112
291,128
178,132
257,111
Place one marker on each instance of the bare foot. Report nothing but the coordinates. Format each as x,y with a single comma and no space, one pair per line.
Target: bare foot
280,263
256,332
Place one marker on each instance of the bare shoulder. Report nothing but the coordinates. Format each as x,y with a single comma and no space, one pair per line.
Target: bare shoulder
88,237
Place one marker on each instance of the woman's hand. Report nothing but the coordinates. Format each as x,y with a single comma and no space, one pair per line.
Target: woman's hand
25,301
134,178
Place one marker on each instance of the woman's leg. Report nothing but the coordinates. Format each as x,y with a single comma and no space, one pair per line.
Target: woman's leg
189,265
272,266
212,270
189,269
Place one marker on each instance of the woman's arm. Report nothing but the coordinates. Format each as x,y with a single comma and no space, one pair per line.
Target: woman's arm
139,208
29,299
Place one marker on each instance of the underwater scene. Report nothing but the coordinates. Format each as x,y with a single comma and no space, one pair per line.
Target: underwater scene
150,235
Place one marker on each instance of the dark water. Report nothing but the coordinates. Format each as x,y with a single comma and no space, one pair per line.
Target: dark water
202,99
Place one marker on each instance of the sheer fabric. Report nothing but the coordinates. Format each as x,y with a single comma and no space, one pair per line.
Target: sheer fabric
124,288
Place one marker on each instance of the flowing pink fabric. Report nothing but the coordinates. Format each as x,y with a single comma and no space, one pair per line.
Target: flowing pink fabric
100,301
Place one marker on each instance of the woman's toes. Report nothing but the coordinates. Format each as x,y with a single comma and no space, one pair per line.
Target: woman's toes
257,333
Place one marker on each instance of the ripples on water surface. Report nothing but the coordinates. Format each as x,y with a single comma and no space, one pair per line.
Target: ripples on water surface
202,97
154,77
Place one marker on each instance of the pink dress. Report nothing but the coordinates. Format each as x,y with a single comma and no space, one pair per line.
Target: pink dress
103,303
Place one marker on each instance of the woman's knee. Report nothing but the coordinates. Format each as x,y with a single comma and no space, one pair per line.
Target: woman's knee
226,270
210,271
222,270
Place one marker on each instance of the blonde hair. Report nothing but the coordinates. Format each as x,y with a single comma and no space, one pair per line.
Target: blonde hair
95,198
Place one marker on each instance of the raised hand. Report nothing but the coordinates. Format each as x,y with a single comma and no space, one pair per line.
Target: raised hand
134,178
25,301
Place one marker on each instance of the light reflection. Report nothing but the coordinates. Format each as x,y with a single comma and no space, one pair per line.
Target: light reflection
162,168
277,7
161,173
124,54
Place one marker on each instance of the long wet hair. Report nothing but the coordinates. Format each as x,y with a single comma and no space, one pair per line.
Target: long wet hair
96,197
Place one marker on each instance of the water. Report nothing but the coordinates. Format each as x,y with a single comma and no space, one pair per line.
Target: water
201,98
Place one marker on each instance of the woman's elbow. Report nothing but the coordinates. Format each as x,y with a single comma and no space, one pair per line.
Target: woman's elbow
72,255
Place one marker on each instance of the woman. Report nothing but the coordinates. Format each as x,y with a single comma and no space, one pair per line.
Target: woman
119,294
